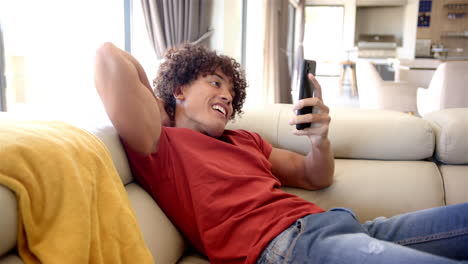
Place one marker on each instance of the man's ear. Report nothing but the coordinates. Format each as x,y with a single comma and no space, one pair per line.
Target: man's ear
179,93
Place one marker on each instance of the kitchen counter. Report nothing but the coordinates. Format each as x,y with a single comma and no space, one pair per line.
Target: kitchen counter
453,58
445,58
417,72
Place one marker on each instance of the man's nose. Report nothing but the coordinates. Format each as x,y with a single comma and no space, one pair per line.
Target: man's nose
226,96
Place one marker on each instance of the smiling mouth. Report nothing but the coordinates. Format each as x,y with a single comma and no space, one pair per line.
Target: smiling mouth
220,109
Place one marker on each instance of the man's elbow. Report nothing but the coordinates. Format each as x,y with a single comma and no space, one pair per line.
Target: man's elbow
105,47
318,184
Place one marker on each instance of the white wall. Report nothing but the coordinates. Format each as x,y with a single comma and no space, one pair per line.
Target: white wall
217,25
349,24
227,27
410,27
254,51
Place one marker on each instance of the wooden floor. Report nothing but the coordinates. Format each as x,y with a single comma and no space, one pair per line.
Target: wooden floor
334,96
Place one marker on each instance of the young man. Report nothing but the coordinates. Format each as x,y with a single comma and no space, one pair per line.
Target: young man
221,187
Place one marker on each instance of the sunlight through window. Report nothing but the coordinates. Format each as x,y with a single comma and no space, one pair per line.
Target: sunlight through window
50,47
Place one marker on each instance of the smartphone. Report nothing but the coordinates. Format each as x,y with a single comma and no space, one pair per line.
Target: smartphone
306,89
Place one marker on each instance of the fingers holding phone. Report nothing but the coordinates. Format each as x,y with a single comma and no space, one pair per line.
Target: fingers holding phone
316,122
312,115
314,100
316,84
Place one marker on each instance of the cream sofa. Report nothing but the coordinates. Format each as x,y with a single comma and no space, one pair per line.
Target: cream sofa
385,165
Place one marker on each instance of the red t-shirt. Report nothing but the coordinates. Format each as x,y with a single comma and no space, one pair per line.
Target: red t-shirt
219,192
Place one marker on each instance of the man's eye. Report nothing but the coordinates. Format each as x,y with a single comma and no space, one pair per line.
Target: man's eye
215,83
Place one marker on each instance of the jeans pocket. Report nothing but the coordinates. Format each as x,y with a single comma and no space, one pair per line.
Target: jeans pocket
342,209
278,248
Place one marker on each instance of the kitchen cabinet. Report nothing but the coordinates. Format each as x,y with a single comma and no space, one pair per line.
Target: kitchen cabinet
456,16
374,20
448,31
378,17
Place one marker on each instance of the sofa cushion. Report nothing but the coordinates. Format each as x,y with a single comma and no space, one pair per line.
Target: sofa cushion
373,188
354,133
451,128
455,183
8,220
193,259
160,235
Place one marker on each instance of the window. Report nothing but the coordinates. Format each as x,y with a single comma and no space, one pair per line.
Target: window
324,43
2,74
50,47
142,49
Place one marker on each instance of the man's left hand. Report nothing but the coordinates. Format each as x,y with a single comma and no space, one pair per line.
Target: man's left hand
319,118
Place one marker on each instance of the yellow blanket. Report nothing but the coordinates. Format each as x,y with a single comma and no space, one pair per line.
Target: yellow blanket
73,207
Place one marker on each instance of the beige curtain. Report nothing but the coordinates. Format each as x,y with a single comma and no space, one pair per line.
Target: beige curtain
173,22
276,76
299,23
2,74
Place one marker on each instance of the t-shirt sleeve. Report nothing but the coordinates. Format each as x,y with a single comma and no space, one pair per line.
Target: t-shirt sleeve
140,164
262,144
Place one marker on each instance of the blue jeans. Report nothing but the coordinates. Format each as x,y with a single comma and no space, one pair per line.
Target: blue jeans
437,235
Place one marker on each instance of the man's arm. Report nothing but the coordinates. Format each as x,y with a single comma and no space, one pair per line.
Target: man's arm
314,171
128,99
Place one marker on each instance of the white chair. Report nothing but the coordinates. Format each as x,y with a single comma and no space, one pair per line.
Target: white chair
375,93
418,72
448,88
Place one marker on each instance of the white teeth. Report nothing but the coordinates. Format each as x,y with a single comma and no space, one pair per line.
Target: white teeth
219,108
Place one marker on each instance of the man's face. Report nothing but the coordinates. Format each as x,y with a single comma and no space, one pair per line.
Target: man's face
205,105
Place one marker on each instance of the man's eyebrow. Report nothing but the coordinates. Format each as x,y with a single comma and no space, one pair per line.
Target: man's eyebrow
219,76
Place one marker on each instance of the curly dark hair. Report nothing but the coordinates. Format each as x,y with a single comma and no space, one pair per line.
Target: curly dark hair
186,63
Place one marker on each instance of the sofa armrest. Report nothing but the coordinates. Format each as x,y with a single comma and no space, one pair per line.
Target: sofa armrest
451,129
8,220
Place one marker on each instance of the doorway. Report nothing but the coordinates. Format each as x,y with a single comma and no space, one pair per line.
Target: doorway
324,43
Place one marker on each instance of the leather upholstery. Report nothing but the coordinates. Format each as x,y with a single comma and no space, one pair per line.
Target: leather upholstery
383,168
8,220
451,129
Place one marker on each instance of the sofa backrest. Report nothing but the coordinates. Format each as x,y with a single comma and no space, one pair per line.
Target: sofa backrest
354,133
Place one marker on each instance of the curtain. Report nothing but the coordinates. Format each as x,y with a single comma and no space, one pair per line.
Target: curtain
299,6
2,74
173,22
276,75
